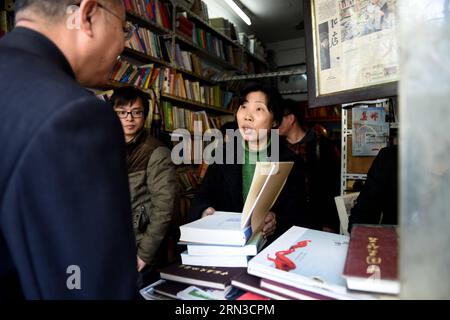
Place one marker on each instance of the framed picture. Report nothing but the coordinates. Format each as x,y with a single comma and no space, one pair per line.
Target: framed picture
352,51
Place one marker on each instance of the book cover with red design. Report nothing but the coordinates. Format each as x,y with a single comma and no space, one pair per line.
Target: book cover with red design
291,292
250,283
372,259
252,296
307,259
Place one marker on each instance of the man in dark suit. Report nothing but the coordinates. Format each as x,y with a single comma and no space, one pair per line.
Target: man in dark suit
65,220
377,202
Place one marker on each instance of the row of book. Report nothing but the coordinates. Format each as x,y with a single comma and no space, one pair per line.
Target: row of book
147,42
252,44
206,40
305,264
181,118
144,76
174,84
156,11
184,59
175,117
170,82
224,26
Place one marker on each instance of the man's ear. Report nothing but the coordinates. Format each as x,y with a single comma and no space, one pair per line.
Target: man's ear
87,11
291,119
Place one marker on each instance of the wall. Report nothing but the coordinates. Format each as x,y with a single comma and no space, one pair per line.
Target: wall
424,148
291,53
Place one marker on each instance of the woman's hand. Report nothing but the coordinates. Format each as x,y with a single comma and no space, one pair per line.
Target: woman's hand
140,264
208,211
270,224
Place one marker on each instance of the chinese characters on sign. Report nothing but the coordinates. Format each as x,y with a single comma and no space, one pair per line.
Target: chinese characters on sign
370,130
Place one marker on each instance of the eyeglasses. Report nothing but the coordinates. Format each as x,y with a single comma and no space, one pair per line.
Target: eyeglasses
128,27
134,114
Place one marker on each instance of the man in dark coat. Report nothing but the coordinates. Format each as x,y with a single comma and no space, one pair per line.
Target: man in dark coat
65,226
377,201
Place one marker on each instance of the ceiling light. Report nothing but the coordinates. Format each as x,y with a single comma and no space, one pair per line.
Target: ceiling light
239,11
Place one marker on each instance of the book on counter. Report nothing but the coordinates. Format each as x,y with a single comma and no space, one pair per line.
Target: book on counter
306,259
290,291
214,260
209,277
250,283
372,259
231,228
253,246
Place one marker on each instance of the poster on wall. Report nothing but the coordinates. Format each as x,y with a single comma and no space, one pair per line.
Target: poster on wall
370,131
352,47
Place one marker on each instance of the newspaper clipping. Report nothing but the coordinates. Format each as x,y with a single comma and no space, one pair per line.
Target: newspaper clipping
356,44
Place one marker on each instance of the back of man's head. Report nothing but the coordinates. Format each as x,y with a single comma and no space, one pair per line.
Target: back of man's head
53,9
297,109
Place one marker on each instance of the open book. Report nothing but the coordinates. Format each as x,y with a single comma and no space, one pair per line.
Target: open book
344,204
231,228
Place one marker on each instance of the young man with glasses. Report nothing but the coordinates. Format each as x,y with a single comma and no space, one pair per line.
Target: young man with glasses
153,183
65,227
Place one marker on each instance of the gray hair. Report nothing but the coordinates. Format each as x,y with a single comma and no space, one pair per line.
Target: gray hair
51,8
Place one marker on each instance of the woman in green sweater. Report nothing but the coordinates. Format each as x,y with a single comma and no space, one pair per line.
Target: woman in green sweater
225,186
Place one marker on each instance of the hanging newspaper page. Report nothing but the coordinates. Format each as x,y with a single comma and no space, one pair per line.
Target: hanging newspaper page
370,131
355,44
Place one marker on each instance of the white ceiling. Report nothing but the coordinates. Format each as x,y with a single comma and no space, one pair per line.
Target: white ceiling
272,20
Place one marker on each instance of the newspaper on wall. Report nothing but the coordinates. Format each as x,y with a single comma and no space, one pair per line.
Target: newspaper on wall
355,43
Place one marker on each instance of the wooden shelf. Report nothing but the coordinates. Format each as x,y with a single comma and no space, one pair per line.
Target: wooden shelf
204,53
144,22
194,75
203,106
207,26
127,52
255,57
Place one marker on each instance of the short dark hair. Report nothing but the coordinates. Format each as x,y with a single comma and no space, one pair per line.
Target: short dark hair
296,108
273,98
126,95
51,8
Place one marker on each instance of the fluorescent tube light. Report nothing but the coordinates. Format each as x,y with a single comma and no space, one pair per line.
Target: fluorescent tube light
239,11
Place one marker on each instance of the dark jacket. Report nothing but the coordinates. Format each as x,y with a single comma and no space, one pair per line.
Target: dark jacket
377,201
322,178
153,188
221,189
64,202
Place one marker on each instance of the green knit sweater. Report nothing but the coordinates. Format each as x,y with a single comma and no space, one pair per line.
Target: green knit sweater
248,167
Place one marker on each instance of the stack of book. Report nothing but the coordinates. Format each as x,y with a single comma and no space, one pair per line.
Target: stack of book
229,239
186,282
310,264
214,253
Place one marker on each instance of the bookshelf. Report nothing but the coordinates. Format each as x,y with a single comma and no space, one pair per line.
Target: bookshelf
179,54
183,65
6,16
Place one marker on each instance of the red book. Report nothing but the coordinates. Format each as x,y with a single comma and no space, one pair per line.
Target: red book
252,296
372,259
